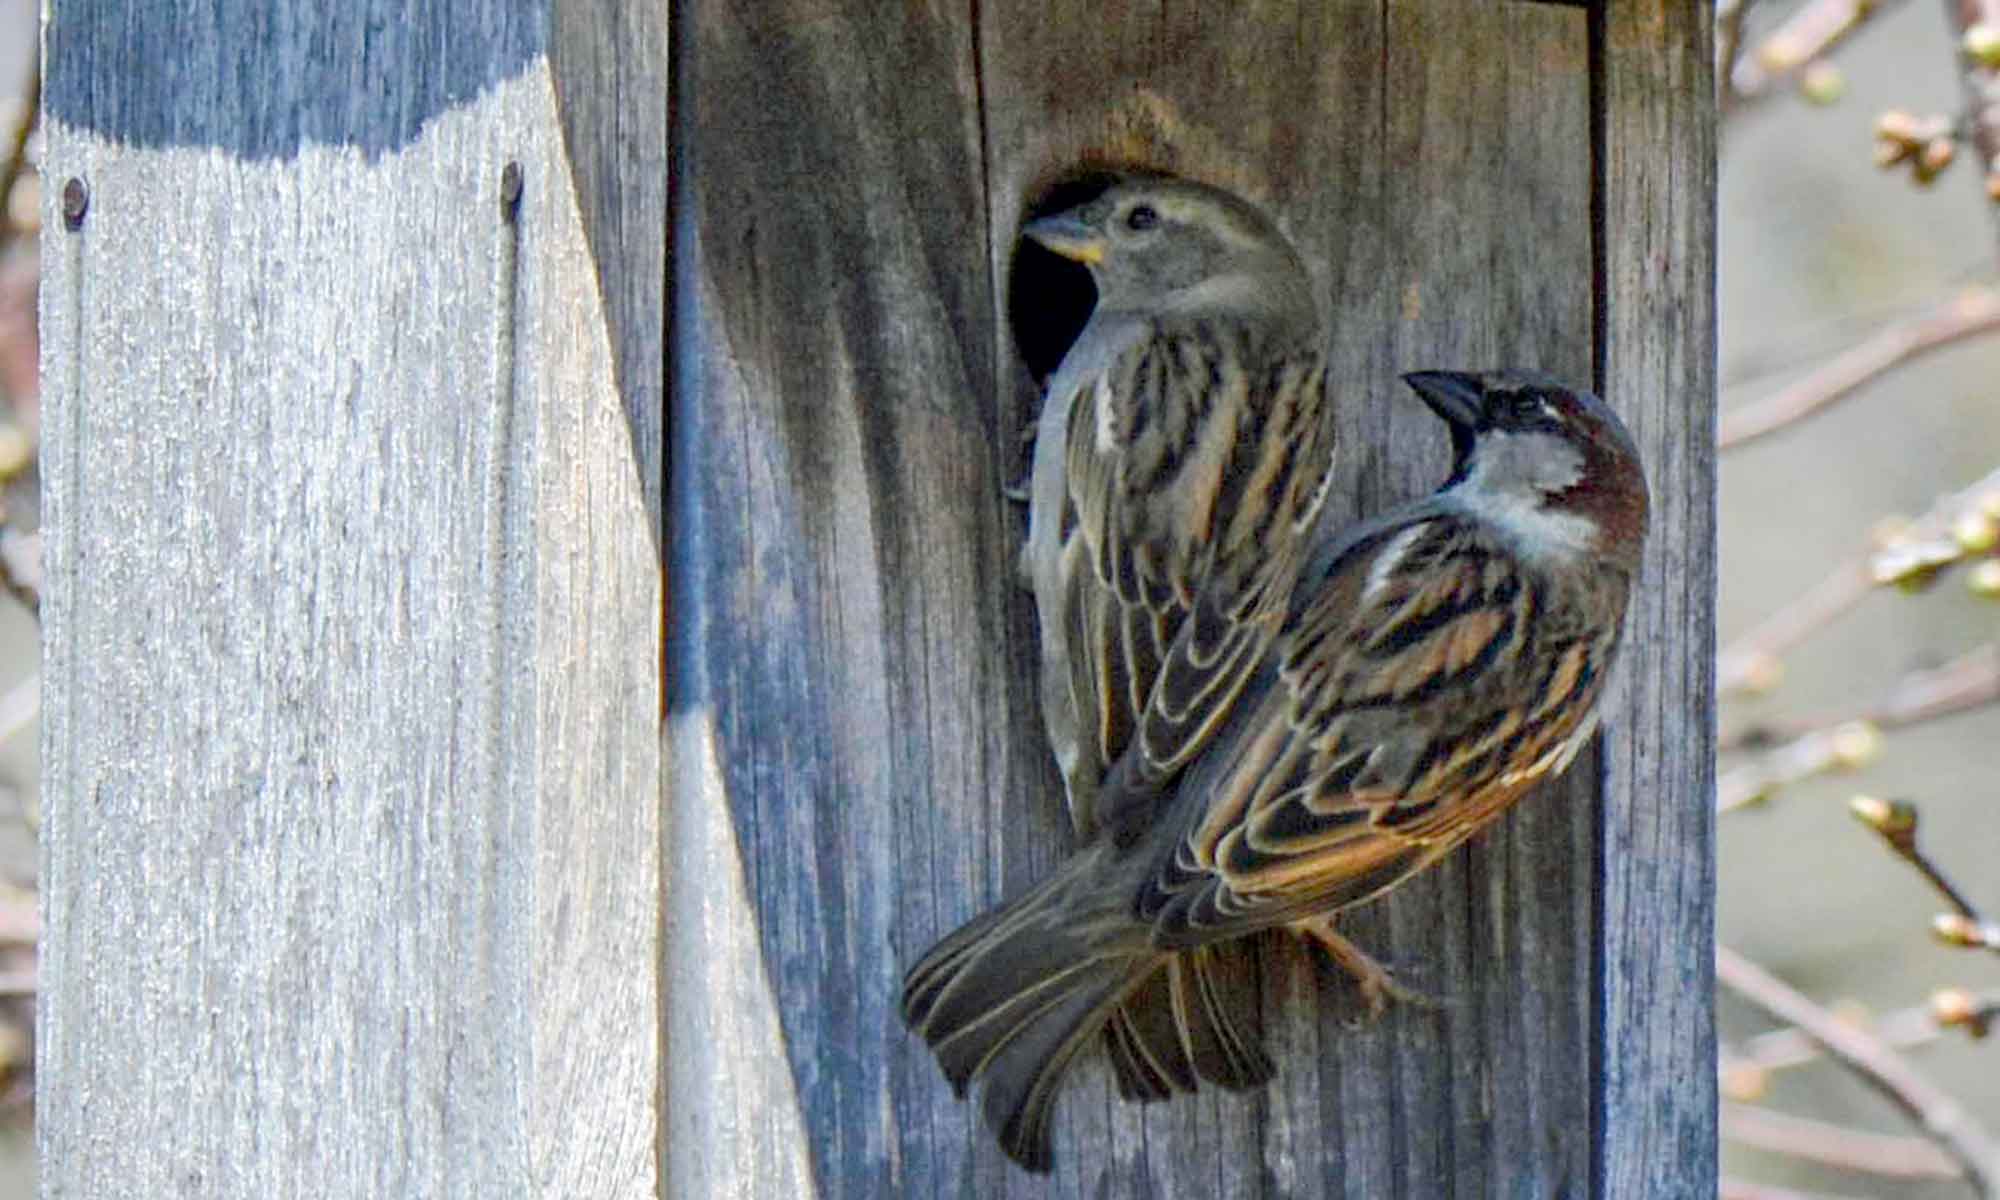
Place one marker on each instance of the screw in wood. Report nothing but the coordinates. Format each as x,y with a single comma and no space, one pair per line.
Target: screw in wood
75,203
510,191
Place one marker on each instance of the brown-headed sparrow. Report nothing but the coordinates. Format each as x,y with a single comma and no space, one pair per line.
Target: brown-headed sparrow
1181,457
1432,665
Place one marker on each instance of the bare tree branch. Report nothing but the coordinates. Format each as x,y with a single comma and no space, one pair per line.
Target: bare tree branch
1810,33
1973,311
1729,16
1743,1189
1753,657
1895,822
1894,1155
1846,747
1800,750
19,924
16,159
1936,1113
21,565
1904,1029
1972,680
1977,23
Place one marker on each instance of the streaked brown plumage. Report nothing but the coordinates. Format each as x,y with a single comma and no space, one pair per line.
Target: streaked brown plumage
1433,664
1183,452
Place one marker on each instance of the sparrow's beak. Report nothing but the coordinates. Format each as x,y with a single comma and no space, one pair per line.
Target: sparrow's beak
1459,399
1068,236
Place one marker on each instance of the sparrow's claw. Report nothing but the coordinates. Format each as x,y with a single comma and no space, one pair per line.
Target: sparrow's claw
1378,986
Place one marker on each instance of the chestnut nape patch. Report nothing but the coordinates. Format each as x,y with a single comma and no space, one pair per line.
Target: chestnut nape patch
1049,297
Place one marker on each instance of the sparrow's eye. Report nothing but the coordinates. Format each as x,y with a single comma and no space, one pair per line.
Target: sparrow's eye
1141,218
1527,408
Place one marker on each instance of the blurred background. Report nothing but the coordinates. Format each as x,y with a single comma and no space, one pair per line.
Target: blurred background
1860,361
1825,258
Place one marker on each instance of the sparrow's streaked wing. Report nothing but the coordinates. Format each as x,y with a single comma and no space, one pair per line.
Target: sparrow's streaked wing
1430,681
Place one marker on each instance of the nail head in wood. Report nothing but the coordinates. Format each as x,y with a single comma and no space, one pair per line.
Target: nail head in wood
75,203
510,191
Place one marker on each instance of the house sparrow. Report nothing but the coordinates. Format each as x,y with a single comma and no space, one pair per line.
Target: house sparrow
1432,665
1183,451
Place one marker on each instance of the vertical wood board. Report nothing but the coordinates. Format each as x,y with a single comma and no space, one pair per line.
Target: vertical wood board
350,868
1657,1083
852,661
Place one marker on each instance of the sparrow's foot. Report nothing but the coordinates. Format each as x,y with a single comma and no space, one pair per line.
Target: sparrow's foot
1378,986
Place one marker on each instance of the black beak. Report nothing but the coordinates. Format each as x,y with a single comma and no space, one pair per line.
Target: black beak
1456,397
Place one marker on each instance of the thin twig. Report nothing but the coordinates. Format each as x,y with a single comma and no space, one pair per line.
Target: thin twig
1753,656
21,565
1972,680
19,924
1895,822
1936,1113
1809,34
1973,311
1729,16
16,160
1743,1189
1963,928
1745,664
1813,344
1846,747
19,707
1895,1155
1904,1029
1980,83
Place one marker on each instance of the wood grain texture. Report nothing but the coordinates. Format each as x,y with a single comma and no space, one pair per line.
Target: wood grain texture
351,860
1656,1087
858,766
1445,199
849,652
610,59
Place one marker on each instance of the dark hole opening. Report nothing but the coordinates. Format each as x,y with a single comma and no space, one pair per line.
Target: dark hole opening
1049,298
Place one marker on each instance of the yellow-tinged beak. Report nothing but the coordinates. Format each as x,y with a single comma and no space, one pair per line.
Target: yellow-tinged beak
1069,237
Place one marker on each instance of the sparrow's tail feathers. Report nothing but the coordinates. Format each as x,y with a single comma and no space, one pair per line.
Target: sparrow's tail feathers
1181,1026
1012,998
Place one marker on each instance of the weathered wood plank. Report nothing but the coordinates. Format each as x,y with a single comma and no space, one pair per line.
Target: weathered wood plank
848,643
1656,1083
610,62
351,863
861,770
1445,196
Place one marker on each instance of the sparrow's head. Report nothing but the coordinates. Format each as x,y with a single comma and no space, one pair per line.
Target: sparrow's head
1158,244
1554,466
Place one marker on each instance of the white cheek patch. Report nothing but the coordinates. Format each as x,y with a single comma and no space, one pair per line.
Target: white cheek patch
1509,478
1538,531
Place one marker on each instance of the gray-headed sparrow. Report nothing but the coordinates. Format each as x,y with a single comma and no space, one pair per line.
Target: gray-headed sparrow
1182,454
1432,664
